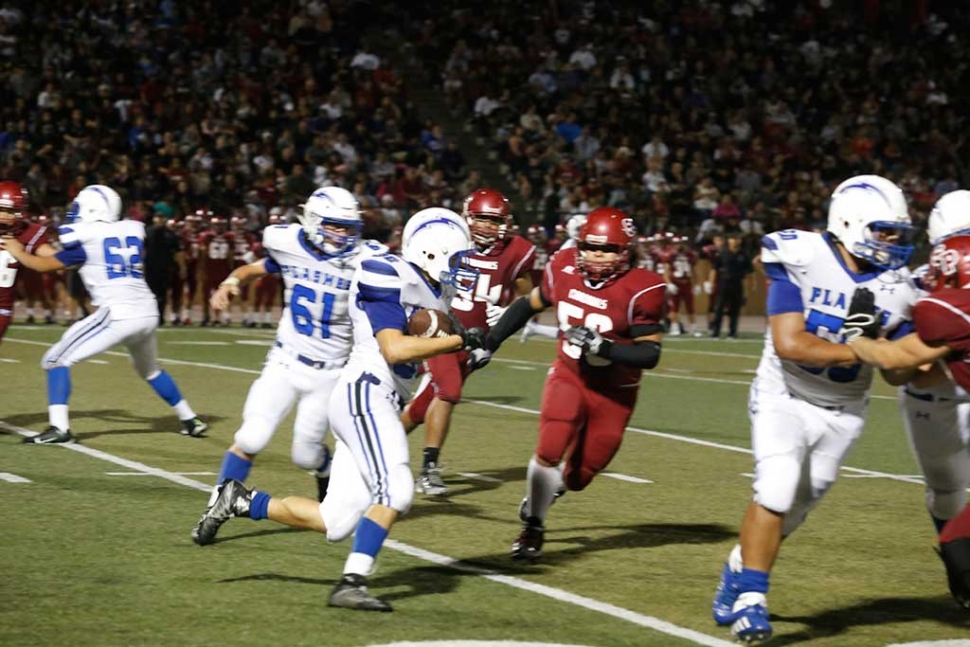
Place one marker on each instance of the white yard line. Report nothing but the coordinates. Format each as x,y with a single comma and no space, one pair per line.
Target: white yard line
640,619
146,474
479,477
625,477
13,478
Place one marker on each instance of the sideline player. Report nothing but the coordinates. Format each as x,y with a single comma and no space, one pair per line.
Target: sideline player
610,314
808,400
942,334
109,252
679,268
316,259
215,261
32,237
366,404
503,263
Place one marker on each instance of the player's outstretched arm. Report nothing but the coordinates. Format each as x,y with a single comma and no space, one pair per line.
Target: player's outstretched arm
238,278
398,348
909,352
30,261
793,343
517,315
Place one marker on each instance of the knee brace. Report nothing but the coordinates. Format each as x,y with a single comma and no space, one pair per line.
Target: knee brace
254,435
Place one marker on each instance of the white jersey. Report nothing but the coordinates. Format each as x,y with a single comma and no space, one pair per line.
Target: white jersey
110,255
385,292
812,263
315,322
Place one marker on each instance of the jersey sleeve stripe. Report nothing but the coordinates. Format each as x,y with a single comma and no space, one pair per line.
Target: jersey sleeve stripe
527,259
377,267
776,272
379,293
629,309
270,265
784,297
33,241
947,306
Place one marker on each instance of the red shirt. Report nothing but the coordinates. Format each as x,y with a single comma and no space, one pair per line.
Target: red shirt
32,236
635,298
190,243
944,318
244,243
498,267
218,247
682,266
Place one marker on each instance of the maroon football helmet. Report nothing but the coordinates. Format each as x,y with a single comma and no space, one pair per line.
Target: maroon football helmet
488,216
217,224
535,234
237,223
608,230
13,205
949,265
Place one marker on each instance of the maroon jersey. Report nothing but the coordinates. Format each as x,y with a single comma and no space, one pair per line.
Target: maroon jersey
635,298
647,260
217,259
539,261
190,243
682,267
944,318
32,236
498,267
242,248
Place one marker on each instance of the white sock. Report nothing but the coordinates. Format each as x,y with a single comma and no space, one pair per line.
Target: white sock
359,564
268,317
544,330
541,485
183,410
734,559
57,415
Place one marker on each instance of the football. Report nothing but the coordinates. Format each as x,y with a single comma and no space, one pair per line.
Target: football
429,323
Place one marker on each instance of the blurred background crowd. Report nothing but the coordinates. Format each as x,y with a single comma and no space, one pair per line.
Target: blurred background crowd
695,116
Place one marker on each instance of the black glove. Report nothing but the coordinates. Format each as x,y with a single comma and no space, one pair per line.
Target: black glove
479,358
589,340
472,339
861,320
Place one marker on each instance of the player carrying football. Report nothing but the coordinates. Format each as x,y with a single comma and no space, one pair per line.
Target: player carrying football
610,315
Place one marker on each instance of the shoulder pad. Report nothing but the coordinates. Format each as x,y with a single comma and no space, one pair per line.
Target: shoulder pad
789,247
370,248
275,235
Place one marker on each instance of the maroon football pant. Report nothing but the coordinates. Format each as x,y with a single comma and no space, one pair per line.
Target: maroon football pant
448,374
580,426
4,322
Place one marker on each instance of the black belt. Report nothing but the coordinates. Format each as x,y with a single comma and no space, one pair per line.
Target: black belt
820,406
313,363
925,397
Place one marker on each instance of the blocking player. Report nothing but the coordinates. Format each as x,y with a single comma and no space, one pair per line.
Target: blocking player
109,252
942,334
679,274
610,314
365,405
32,237
503,262
808,400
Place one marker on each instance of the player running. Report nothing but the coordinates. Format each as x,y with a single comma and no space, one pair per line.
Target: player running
109,252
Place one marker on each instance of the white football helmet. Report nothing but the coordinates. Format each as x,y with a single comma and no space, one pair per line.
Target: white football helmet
950,216
574,224
866,208
332,205
94,203
437,240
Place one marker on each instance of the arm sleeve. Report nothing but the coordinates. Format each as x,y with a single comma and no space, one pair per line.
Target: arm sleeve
517,315
69,237
645,354
783,295
74,255
270,265
379,296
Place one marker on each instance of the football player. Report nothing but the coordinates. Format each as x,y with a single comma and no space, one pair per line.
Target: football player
808,400
503,262
33,238
267,286
610,314
109,251
191,231
369,491
215,259
243,253
679,268
316,260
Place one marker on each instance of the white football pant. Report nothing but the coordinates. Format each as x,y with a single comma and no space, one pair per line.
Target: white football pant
284,381
348,495
798,450
99,332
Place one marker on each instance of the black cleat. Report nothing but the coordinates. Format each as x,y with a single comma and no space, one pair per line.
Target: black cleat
266,326
233,501
351,593
49,320
194,427
31,321
956,557
528,545
51,436
323,482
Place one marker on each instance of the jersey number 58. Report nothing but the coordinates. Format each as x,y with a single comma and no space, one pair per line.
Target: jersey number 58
569,315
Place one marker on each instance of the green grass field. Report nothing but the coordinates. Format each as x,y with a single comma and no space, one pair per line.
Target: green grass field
96,547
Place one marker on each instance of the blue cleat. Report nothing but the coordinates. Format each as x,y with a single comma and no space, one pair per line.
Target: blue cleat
751,624
725,597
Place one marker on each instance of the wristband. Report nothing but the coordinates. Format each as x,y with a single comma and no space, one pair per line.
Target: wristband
232,281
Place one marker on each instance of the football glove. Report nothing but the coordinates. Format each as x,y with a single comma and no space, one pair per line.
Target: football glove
589,340
493,314
672,289
479,358
861,320
708,287
472,338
